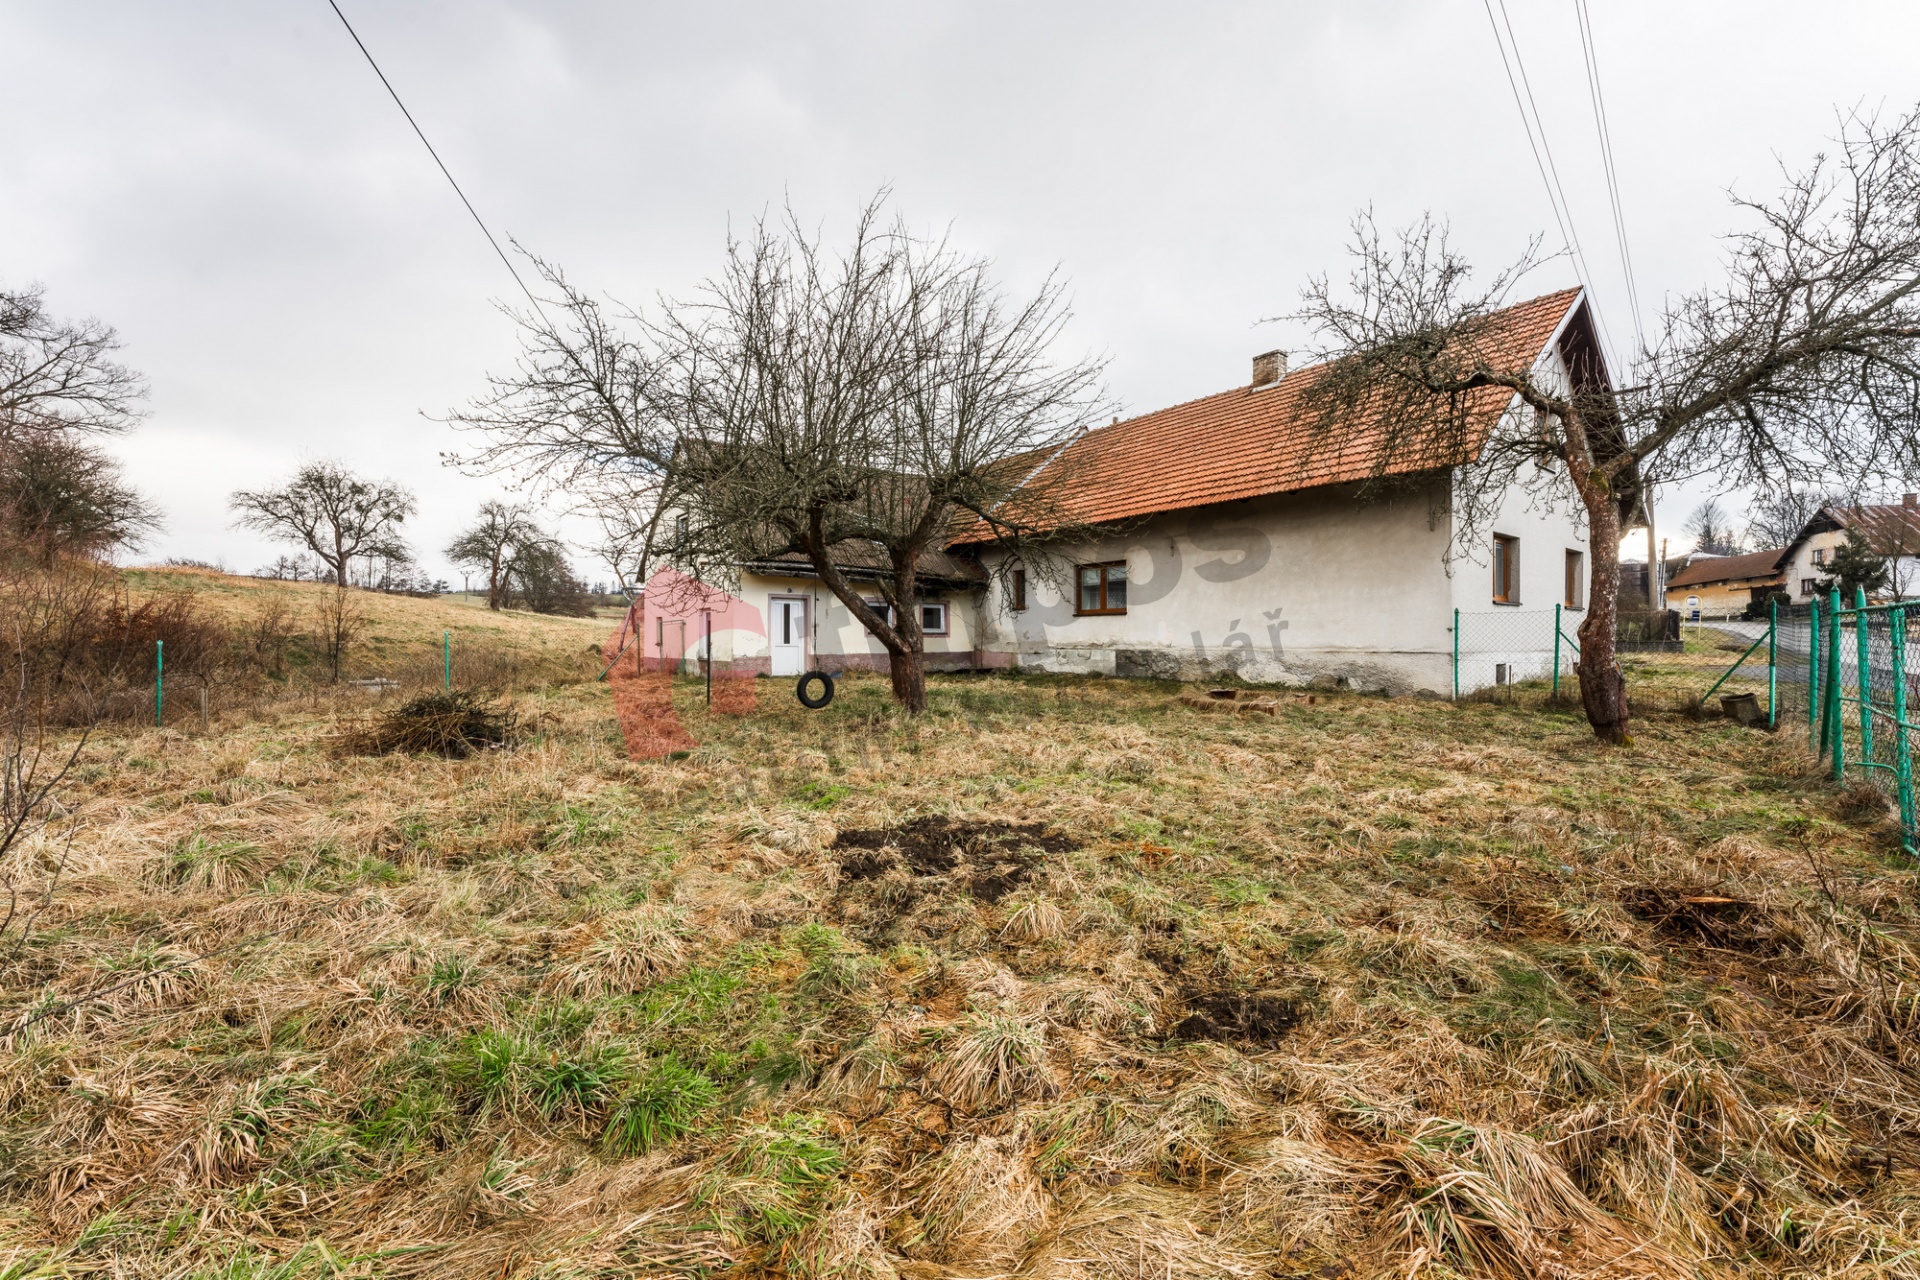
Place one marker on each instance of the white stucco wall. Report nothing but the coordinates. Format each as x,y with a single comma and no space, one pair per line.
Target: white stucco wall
836,638
1278,590
1546,524
1801,568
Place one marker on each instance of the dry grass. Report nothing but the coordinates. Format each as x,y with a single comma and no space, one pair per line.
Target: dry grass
1365,988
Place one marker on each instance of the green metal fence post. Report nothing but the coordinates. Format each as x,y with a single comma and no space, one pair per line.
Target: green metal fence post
1866,675
159,679
1556,653
446,658
1836,734
1902,762
1813,674
1456,655
1773,662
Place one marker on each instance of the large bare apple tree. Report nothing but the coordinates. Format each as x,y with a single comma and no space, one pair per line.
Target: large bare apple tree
851,409
1801,369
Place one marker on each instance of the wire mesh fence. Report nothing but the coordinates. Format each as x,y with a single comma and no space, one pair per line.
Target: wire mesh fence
155,686
1498,650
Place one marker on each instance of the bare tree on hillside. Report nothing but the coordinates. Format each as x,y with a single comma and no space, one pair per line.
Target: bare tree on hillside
59,377
1803,365
1712,530
850,409
489,545
331,512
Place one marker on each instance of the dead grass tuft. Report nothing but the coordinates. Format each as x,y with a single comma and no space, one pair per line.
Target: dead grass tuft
994,1059
981,1204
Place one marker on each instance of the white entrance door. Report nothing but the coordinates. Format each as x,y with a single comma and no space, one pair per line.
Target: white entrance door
787,631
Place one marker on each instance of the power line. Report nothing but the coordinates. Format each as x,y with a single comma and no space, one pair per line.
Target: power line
419,133
1543,156
1606,158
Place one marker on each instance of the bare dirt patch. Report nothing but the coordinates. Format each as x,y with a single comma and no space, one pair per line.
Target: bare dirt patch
997,855
1256,1018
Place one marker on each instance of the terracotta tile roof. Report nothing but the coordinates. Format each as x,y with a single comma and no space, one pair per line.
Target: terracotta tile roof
1755,564
1248,443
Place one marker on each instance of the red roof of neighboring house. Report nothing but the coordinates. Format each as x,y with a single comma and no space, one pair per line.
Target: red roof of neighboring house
1889,530
1250,442
1709,569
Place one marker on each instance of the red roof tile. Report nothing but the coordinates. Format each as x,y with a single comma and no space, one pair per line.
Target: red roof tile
1248,443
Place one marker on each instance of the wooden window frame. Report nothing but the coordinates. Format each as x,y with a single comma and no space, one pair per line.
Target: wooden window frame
946,618
1576,580
1103,611
1809,587
1506,569
1017,591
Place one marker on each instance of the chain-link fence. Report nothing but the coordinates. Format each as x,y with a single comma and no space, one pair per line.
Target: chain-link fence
1856,694
160,684
1507,647
1840,674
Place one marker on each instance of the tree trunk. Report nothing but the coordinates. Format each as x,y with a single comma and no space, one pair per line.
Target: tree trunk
908,671
1603,689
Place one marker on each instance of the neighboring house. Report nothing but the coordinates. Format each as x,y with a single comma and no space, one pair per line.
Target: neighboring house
1891,530
1723,586
1237,546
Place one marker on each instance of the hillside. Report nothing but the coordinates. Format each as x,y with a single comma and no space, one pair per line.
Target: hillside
1063,980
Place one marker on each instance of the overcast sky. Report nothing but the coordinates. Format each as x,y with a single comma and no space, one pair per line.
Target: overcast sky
228,184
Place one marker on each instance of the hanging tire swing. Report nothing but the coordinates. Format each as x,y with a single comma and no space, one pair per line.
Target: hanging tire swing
815,690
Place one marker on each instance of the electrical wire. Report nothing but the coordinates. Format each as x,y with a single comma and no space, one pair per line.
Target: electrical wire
1543,157
1606,159
421,134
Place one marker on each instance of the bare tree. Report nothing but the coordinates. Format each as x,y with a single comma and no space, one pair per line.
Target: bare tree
1712,530
59,377
490,544
1776,518
1802,366
332,513
341,621
542,580
850,410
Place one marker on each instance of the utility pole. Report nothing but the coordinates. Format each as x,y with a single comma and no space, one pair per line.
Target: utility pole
1656,569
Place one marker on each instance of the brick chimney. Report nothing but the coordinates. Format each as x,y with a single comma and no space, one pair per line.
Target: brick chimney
1910,500
1268,369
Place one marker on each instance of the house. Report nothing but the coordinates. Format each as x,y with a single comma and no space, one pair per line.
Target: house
1724,586
1891,530
1230,545
783,621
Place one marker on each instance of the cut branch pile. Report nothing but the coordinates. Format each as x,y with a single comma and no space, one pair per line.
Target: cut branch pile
454,724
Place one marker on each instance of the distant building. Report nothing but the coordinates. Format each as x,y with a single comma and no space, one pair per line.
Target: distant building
1723,586
1891,530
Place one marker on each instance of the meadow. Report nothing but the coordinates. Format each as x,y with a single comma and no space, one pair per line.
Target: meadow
1062,979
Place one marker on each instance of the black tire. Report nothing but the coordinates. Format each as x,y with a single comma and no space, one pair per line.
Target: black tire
813,702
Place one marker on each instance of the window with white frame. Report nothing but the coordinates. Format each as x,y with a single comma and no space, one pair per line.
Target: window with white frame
933,618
